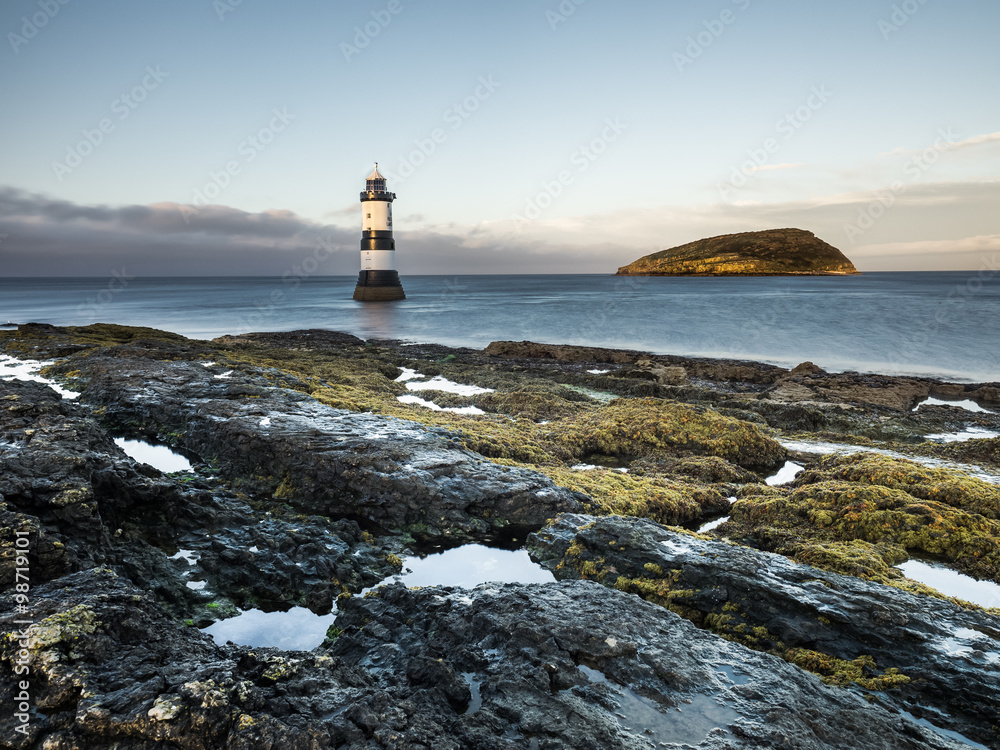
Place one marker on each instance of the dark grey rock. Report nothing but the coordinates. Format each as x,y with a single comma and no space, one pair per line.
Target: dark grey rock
951,654
397,474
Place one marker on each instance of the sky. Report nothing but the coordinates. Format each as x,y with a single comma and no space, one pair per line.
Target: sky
232,137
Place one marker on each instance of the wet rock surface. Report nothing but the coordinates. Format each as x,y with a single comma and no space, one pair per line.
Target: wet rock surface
82,502
948,656
312,479
396,474
566,665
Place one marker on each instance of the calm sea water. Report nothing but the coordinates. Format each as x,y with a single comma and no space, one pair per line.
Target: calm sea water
938,324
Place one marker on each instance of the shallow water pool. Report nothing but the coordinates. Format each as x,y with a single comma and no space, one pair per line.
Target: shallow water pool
158,456
298,629
470,565
952,583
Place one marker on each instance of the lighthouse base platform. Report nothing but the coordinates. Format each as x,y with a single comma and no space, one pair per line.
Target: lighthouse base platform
378,286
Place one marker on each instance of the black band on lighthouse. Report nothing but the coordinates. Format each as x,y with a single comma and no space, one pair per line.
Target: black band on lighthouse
380,243
379,278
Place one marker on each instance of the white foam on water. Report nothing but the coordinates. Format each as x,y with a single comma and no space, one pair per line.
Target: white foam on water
439,383
971,433
713,524
967,404
598,372
417,401
189,555
675,545
408,374
825,449
26,370
158,456
223,376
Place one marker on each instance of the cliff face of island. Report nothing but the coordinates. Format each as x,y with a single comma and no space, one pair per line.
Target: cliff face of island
769,253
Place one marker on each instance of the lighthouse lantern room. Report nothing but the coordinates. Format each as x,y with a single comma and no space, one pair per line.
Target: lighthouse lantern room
378,280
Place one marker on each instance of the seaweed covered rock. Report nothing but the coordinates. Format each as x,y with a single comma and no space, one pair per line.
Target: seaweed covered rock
981,451
891,503
649,426
661,499
928,655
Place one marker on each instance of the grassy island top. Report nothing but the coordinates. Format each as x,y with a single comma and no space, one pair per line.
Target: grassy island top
768,253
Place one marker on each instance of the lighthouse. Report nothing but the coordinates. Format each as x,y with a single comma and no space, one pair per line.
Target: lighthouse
378,280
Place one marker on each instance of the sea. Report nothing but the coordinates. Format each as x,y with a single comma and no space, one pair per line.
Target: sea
937,324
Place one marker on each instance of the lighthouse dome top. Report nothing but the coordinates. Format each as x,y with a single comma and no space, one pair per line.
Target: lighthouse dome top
375,182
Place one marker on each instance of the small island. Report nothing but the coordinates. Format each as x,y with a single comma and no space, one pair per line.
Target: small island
773,252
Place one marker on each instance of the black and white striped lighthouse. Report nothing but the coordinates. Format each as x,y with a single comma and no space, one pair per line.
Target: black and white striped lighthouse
378,280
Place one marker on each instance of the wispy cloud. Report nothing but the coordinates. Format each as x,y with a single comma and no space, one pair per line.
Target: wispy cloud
772,167
934,225
976,140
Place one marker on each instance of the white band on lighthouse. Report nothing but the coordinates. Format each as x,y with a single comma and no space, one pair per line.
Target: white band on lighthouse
376,216
378,260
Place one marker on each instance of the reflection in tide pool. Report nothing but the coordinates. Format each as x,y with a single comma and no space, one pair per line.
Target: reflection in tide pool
158,456
297,629
689,723
471,565
945,732
952,583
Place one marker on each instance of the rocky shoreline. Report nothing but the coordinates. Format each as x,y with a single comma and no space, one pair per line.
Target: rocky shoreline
787,624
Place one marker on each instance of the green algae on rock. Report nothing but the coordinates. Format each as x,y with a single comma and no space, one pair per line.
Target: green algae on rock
768,253
891,503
